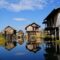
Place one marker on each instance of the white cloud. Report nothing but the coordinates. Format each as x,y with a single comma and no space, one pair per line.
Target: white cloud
20,19
24,5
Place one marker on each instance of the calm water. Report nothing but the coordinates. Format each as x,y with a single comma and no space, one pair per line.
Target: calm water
47,51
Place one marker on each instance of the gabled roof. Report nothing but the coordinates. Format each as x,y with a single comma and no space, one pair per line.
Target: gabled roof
20,31
9,27
52,14
36,25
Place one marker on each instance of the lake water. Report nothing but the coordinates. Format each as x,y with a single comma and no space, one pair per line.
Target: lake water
47,51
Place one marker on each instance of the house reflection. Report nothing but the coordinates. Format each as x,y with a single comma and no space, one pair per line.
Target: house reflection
10,45
32,47
52,51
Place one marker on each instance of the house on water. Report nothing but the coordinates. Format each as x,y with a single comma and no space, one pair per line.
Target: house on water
10,33
20,36
52,24
33,33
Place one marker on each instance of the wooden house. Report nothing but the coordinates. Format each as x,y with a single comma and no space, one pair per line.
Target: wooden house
52,23
10,33
20,36
33,33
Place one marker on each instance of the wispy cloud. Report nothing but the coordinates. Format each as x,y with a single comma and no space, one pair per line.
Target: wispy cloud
20,19
24,5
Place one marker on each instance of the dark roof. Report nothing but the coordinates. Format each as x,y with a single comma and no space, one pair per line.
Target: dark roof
20,31
50,28
45,21
52,14
9,27
32,25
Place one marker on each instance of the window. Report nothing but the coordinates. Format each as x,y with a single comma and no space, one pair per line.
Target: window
18,37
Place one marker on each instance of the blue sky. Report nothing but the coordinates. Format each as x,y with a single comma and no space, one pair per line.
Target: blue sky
20,13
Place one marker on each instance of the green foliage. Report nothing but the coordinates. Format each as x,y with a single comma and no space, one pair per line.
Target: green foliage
2,39
57,41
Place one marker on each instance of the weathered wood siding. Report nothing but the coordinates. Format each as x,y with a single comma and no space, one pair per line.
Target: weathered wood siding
58,23
30,28
58,20
9,31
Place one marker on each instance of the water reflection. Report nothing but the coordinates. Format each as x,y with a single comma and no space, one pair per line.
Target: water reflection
52,51
9,45
44,51
20,42
58,49
32,47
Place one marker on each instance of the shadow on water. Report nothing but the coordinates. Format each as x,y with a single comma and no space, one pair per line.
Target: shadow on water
52,51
